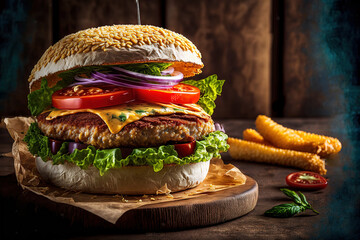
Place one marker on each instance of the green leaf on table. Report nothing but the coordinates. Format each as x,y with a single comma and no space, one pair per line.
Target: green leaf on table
293,195
284,210
299,205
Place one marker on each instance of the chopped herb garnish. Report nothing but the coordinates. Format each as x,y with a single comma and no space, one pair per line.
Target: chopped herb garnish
140,111
122,117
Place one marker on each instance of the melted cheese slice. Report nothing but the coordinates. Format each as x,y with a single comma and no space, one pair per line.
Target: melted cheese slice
117,117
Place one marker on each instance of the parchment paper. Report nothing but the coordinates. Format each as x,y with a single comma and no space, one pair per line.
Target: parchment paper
109,207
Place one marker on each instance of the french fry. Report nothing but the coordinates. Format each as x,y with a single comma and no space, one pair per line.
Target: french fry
251,151
327,145
288,138
282,137
252,135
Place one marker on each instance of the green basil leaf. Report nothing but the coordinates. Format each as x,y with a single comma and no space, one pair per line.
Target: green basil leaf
306,204
293,195
284,210
303,199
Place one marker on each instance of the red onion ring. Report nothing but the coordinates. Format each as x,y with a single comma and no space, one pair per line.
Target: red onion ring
175,75
168,71
126,78
219,127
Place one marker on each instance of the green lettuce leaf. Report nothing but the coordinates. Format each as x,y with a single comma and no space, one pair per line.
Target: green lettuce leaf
58,158
210,88
38,144
105,159
83,158
40,99
147,68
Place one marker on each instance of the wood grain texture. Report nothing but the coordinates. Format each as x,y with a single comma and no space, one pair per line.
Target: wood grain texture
82,14
204,210
36,32
307,76
234,39
296,76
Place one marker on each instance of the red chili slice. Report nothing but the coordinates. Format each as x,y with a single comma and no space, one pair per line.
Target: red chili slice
306,180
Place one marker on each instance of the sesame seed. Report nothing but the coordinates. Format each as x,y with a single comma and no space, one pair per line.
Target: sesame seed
112,37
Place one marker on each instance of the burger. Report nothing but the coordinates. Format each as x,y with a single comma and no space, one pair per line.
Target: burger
114,115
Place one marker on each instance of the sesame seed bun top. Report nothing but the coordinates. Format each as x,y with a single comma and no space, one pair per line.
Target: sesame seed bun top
117,44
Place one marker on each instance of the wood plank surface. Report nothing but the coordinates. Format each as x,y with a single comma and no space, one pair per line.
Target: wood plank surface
235,41
296,76
310,85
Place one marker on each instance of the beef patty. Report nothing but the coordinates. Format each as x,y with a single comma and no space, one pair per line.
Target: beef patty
149,131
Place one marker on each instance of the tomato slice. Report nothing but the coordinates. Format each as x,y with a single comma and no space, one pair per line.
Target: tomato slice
185,149
95,96
180,94
306,180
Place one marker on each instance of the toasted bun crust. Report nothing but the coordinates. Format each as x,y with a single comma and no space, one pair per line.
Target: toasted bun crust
131,180
117,44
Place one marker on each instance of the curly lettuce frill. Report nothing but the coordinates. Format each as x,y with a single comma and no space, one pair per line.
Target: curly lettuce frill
105,159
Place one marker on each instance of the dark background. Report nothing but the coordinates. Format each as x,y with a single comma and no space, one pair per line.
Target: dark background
286,59
277,57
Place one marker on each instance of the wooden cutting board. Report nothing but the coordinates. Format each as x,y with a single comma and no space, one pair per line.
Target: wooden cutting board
201,211
204,210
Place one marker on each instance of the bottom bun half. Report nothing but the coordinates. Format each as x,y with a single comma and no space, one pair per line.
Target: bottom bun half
131,180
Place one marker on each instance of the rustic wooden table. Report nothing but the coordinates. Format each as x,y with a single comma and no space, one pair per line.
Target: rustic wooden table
24,214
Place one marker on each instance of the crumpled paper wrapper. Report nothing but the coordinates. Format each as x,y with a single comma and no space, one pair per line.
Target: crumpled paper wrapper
221,176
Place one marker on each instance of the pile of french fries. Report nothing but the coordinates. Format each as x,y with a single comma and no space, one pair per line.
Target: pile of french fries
275,144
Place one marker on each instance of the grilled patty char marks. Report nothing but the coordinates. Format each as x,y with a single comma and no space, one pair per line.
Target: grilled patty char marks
149,131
